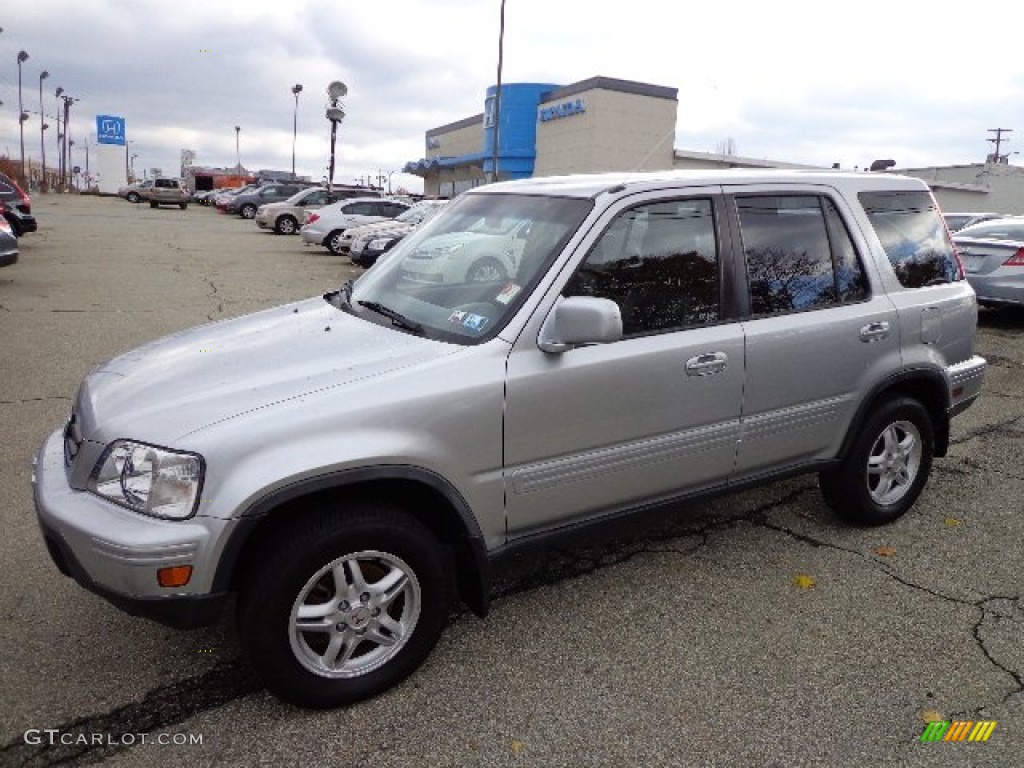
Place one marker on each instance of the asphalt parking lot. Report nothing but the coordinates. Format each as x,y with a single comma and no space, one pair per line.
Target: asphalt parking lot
753,630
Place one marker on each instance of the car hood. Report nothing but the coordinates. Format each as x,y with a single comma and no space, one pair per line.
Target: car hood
175,386
381,228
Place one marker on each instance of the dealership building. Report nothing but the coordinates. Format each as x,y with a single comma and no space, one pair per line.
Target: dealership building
546,129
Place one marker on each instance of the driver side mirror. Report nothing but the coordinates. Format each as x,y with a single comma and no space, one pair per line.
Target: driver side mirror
579,320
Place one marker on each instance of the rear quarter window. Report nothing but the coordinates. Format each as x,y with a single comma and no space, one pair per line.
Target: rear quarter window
914,236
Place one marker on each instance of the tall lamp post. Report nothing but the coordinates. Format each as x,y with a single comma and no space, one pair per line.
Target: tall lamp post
42,129
335,113
60,139
238,151
497,94
66,172
296,90
22,117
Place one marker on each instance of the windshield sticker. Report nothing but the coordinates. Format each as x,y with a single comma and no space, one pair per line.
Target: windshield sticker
474,322
508,293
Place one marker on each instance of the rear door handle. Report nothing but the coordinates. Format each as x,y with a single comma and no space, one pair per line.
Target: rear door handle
874,331
706,364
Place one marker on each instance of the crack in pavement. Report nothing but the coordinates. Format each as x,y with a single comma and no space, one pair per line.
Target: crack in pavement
161,707
214,291
999,428
981,604
34,400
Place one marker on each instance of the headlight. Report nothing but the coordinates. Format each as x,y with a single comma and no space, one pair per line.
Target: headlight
150,480
380,244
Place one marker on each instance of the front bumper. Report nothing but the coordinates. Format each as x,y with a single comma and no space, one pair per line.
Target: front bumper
116,553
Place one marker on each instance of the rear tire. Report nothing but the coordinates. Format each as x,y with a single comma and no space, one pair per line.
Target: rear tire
887,465
286,225
345,607
153,204
248,211
333,242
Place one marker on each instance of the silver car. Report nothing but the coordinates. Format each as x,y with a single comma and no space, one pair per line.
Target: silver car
352,464
992,253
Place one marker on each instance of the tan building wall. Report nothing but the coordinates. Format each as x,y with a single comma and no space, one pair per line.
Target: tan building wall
982,187
459,138
618,131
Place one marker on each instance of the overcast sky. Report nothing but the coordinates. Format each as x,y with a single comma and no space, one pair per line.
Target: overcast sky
805,82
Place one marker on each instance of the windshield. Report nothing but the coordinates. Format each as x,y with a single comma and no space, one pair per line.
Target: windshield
462,275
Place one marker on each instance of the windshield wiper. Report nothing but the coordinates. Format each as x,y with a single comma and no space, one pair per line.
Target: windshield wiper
397,318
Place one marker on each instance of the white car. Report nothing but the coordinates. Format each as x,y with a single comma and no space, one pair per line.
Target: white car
486,252
326,226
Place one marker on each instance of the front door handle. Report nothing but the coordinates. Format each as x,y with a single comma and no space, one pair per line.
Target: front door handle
874,331
706,364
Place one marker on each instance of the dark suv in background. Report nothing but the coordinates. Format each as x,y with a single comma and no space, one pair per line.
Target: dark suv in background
16,206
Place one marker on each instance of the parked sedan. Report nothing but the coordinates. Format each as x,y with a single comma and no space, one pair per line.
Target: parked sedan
326,226
16,206
8,244
957,221
992,253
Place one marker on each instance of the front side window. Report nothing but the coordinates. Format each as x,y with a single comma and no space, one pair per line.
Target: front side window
659,263
460,276
799,254
914,236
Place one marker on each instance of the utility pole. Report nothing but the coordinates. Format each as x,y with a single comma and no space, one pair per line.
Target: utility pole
996,156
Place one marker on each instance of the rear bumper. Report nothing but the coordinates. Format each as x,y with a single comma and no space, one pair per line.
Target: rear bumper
965,381
998,289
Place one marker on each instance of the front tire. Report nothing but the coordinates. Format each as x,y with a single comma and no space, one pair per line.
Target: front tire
486,270
133,197
248,211
887,466
153,204
346,607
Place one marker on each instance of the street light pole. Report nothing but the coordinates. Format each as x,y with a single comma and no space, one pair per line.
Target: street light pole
296,90
335,113
60,140
22,57
497,95
42,129
238,151
66,172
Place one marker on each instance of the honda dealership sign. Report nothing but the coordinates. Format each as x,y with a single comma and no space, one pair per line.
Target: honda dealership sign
112,160
110,130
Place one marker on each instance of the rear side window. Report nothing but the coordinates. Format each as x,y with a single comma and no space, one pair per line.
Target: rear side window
799,254
914,236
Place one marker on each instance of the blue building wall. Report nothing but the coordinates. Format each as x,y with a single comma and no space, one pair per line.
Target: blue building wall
517,134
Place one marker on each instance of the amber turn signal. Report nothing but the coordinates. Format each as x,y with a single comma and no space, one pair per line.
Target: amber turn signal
175,576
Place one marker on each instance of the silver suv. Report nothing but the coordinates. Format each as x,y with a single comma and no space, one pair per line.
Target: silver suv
167,192
541,356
